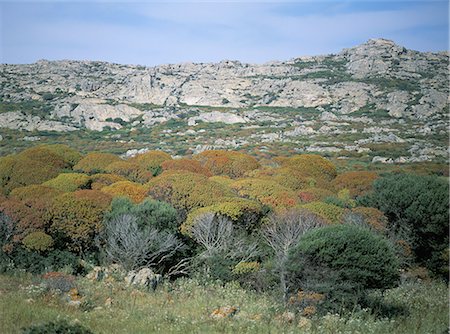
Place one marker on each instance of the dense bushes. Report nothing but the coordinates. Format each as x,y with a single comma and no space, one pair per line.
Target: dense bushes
343,262
243,223
417,208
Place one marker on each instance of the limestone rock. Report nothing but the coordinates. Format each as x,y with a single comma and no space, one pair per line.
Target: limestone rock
143,278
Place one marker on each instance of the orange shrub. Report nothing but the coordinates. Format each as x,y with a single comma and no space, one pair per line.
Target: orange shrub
267,192
186,164
78,216
373,217
287,177
357,182
135,191
101,180
311,165
69,155
233,164
25,168
151,160
27,220
129,170
186,190
95,162
314,194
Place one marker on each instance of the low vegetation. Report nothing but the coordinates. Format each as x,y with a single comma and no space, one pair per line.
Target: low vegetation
228,244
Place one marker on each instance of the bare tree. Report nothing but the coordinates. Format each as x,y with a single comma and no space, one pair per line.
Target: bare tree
7,228
217,235
133,247
282,233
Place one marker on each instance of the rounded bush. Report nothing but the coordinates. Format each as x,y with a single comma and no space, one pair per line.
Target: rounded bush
68,182
332,214
135,191
38,241
358,183
95,162
151,161
343,261
230,163
313,166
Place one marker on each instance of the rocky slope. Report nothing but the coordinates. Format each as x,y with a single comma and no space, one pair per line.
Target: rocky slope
408,89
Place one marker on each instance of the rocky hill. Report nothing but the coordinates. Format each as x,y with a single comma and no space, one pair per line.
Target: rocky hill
375,93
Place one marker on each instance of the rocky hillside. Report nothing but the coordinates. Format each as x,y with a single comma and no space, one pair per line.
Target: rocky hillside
374,93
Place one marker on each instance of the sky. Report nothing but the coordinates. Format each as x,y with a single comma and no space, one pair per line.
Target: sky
152,33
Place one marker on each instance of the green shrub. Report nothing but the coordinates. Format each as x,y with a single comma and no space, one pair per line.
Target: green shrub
56,327
343,262
151,213
68,182
332,214
417,206
38,241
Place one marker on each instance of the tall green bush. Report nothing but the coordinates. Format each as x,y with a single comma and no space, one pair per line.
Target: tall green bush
417,206
343,262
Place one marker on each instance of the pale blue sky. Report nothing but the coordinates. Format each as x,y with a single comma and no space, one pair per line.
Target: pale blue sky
151,33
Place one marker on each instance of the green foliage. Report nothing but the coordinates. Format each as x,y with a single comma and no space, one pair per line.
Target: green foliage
331,213
418,207
96,162
68,182
343,262
38,241
59,326
151,213
38,263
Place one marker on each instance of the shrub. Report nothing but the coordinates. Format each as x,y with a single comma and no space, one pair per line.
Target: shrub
287,177
417,206
95,162
343,262
134,191
15,170
372,217
358,183
149,213
38,241
132,246
186,190
37,263
59,326
101,180
308,195
242,212
25,219
129,170
311,165
78,217
68,154
151,161
187,165
232,164
332,214
267,192
68,182
55,280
